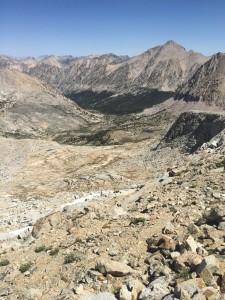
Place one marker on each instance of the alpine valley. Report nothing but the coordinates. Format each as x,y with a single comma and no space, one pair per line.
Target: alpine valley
112,176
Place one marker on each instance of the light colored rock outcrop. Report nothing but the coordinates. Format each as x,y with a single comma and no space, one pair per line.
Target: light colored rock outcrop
113,267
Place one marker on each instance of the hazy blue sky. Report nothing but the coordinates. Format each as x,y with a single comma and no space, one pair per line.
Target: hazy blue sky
82,27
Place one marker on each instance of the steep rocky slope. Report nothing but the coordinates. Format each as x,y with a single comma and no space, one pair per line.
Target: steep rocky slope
207,84
163,67
78,73
30,107
192,129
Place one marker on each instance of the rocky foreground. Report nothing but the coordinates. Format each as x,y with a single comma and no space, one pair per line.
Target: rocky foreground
163,239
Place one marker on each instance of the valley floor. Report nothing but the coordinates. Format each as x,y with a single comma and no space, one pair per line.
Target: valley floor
38,176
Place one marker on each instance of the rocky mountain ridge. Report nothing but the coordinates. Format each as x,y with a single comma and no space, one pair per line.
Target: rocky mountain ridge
207,84
105,81
141,69
119,84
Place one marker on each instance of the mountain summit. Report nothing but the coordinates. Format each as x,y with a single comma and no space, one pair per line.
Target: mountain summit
172,42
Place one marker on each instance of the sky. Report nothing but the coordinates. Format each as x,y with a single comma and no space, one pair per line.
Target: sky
83,27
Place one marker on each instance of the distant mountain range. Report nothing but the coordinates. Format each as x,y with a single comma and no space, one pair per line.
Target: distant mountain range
118,84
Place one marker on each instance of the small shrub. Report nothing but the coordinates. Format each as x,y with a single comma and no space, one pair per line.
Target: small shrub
25,267
54,251
76,256
185,272
136,221
4,262
79,240
69,258
211,251
90,238
40,249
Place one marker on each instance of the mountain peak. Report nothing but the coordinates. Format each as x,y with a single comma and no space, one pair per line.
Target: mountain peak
170,42
173,43
219,55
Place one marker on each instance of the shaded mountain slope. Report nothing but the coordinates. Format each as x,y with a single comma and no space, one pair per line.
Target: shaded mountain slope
207,84
192,129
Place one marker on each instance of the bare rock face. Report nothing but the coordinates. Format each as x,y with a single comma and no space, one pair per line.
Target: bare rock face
192,129
207,84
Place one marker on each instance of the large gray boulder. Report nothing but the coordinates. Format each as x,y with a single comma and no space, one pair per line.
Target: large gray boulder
156,290
114,268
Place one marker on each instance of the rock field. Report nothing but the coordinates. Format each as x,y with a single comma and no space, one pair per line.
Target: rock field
128,222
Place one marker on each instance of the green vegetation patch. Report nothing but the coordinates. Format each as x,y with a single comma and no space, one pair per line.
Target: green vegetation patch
4,262
69,258
185,273
136,221
39,249
76,256
50,249
25,267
